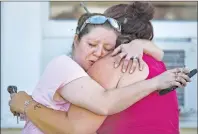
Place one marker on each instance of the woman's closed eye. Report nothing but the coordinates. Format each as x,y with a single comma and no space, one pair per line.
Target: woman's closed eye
92,45
108,49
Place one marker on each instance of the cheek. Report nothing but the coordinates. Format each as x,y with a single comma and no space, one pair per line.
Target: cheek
85,50
114,41
105,53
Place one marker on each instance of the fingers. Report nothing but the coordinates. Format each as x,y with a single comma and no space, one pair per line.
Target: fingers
125,63
118,59
10,103
13,112
185,70
178,84
134,65
116,50
141,63
136,61
178,70
182,81
184,76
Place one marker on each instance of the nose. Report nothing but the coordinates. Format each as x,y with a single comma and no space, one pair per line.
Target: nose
98,51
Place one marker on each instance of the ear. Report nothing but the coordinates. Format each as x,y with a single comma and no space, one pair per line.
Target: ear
76,41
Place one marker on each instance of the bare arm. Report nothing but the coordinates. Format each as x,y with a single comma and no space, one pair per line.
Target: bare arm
85,92
46,119
150,48
76,121
69,122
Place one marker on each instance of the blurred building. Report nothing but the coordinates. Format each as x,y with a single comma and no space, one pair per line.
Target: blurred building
35,32
163,10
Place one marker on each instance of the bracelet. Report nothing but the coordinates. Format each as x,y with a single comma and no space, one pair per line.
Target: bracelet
26,104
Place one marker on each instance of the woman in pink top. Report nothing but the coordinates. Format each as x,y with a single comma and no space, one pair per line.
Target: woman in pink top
90,44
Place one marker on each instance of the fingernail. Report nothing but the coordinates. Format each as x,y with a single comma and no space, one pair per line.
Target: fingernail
115,65
131,72
123,70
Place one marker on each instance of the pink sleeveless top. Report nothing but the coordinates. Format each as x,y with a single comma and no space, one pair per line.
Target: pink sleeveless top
152,115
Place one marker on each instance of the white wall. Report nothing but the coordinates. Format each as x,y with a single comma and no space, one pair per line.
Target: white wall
20,51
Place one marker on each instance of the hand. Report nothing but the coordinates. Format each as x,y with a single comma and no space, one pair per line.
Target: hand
17,102
174,77
131,51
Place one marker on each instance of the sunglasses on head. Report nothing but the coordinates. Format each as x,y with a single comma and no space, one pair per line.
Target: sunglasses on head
98,20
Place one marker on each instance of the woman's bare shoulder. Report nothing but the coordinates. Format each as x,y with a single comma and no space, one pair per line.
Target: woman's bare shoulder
136,76
104,73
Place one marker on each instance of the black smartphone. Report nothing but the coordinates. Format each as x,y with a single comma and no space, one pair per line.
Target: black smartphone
165,91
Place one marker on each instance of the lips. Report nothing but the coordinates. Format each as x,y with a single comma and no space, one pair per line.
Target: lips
91,62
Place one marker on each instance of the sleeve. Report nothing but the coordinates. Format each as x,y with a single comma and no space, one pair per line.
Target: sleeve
59,72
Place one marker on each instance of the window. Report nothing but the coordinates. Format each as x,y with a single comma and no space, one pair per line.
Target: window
179,52
163,10
173,59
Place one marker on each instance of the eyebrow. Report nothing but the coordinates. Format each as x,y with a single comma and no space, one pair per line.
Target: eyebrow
96,42
92,40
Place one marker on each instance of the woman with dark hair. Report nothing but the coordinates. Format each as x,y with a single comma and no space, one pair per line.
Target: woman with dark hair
68,89
154,114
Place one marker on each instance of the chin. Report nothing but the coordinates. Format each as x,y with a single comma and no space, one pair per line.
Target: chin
85,67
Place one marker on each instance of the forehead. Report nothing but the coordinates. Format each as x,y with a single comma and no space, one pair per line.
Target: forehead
102,34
